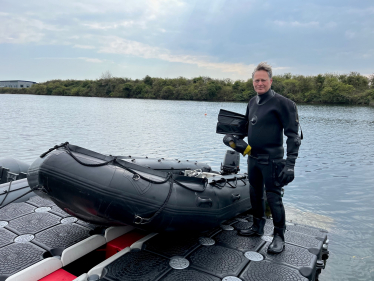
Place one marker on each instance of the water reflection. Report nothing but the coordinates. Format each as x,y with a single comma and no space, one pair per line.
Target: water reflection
334,185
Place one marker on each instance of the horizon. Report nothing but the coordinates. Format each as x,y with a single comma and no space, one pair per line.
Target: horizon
189,78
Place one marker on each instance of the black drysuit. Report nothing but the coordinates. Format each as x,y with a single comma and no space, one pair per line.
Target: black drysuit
270,115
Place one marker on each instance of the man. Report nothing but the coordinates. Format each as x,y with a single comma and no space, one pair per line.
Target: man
269,115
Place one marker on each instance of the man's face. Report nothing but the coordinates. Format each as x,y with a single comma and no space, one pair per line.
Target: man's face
261,82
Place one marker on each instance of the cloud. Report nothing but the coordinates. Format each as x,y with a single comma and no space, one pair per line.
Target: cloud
73,8
114,25
296,23
311,24
203,37
331,24
281,68
368,54
19,30
80,33
84,46
116,45
361,12
93,60
349,34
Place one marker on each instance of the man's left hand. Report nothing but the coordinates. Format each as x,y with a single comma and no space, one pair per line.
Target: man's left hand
287,175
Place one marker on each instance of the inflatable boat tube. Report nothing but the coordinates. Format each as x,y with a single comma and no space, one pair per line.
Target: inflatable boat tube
111,190
12,169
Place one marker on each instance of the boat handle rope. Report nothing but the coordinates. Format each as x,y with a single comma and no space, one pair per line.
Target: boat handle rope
31,190
169,177
6,192
114,160
137,176
140,220
53,148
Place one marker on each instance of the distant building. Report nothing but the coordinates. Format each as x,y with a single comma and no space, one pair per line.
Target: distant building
16,84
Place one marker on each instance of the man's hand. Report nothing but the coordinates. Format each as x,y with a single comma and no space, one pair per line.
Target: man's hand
247,150
237,144
287,175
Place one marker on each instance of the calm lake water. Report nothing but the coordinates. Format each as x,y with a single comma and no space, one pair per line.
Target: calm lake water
334,185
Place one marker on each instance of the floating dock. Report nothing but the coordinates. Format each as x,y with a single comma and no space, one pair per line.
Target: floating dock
39,241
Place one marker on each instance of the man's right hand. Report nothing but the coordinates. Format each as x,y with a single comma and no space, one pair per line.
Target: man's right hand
237,144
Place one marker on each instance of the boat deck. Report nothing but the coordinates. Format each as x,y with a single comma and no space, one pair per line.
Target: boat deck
39,241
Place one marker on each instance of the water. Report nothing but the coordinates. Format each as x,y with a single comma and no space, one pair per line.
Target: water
334,185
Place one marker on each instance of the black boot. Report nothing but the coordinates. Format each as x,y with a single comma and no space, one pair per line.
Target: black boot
277,245
257,229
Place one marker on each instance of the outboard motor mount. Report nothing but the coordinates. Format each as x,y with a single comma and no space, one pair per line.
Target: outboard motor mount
230,163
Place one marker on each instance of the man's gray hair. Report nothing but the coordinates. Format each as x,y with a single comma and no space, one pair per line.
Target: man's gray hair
263,66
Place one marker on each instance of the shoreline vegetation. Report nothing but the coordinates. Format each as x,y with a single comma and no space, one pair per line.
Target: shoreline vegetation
351,88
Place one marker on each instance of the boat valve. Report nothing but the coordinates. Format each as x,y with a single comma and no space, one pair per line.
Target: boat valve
136,177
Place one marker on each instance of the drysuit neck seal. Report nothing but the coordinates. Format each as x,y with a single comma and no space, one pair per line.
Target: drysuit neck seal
261,99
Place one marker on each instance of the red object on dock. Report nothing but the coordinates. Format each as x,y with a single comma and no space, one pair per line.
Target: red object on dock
123,241
59,275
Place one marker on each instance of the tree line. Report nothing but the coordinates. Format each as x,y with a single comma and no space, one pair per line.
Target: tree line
351,88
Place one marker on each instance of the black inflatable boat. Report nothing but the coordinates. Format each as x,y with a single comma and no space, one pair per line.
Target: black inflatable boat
153,194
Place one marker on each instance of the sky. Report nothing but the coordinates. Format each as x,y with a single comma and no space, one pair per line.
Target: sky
82,39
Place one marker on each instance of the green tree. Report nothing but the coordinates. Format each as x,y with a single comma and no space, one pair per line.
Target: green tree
335,91
277,84
291,88
148,80
138,90
319,82
212,90
127,90
77,91
226,94
59,91
39,89
167,93
371,81
359,82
